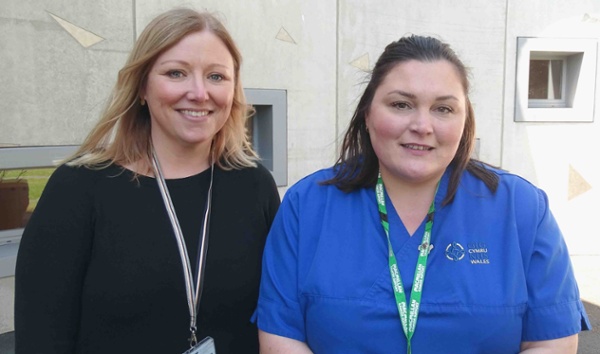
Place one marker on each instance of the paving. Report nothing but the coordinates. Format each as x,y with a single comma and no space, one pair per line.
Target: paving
7,343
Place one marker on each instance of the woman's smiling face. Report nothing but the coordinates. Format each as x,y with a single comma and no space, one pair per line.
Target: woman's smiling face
189,91
416,120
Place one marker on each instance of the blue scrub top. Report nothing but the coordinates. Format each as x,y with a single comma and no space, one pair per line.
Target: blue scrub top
499,272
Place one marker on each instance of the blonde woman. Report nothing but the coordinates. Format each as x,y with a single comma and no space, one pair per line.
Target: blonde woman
150,238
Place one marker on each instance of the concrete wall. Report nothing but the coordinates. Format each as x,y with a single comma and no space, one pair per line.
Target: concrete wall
561,158
59,61
52,86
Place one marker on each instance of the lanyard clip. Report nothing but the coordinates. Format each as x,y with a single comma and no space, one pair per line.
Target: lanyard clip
193,340
425,247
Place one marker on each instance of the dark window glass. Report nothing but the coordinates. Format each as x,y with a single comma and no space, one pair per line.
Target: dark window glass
545,79
20,191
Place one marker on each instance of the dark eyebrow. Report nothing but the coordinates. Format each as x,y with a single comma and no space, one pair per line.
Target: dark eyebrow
413,96
447,97
402,93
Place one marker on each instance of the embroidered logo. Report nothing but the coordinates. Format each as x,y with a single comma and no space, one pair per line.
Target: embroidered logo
455,251
478,253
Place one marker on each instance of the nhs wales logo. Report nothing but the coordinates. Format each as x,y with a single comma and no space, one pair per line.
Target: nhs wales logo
475,252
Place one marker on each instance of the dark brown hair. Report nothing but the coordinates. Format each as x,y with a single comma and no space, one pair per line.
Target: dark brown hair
358,165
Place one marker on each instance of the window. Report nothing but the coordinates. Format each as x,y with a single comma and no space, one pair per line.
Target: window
555,80
268,130
24,172
546,82
20,191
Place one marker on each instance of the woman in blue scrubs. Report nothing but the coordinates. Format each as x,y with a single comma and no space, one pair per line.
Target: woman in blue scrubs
407,244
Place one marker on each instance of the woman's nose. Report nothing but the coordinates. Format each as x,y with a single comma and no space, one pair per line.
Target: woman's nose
197,90
421,122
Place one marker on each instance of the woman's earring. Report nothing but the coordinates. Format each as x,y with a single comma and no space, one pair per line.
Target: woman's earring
142,101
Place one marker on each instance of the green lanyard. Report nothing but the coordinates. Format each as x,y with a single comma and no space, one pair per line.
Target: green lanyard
409,316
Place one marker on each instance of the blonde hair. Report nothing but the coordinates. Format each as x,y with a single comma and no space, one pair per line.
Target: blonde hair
122,135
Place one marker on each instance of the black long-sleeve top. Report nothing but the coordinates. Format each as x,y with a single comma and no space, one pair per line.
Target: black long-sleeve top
98,269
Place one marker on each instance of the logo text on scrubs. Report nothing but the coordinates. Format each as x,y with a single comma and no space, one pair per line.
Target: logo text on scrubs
478,253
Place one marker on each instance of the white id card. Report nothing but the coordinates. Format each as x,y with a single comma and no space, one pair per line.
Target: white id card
205,346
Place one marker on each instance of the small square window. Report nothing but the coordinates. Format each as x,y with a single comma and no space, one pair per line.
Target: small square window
546,79
268,130
555,80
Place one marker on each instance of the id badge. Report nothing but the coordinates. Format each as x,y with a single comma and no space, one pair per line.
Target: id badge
205,346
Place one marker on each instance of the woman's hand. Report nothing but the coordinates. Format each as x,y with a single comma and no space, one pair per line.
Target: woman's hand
274,344
565,345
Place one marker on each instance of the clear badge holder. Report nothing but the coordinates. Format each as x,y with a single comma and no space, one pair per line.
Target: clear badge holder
205,346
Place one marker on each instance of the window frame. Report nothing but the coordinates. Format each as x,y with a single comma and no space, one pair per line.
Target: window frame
579,80
25,157
272,127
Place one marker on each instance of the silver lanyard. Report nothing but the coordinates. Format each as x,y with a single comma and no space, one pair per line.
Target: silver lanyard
193,294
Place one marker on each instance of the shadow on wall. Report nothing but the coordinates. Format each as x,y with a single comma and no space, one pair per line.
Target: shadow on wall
589,341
